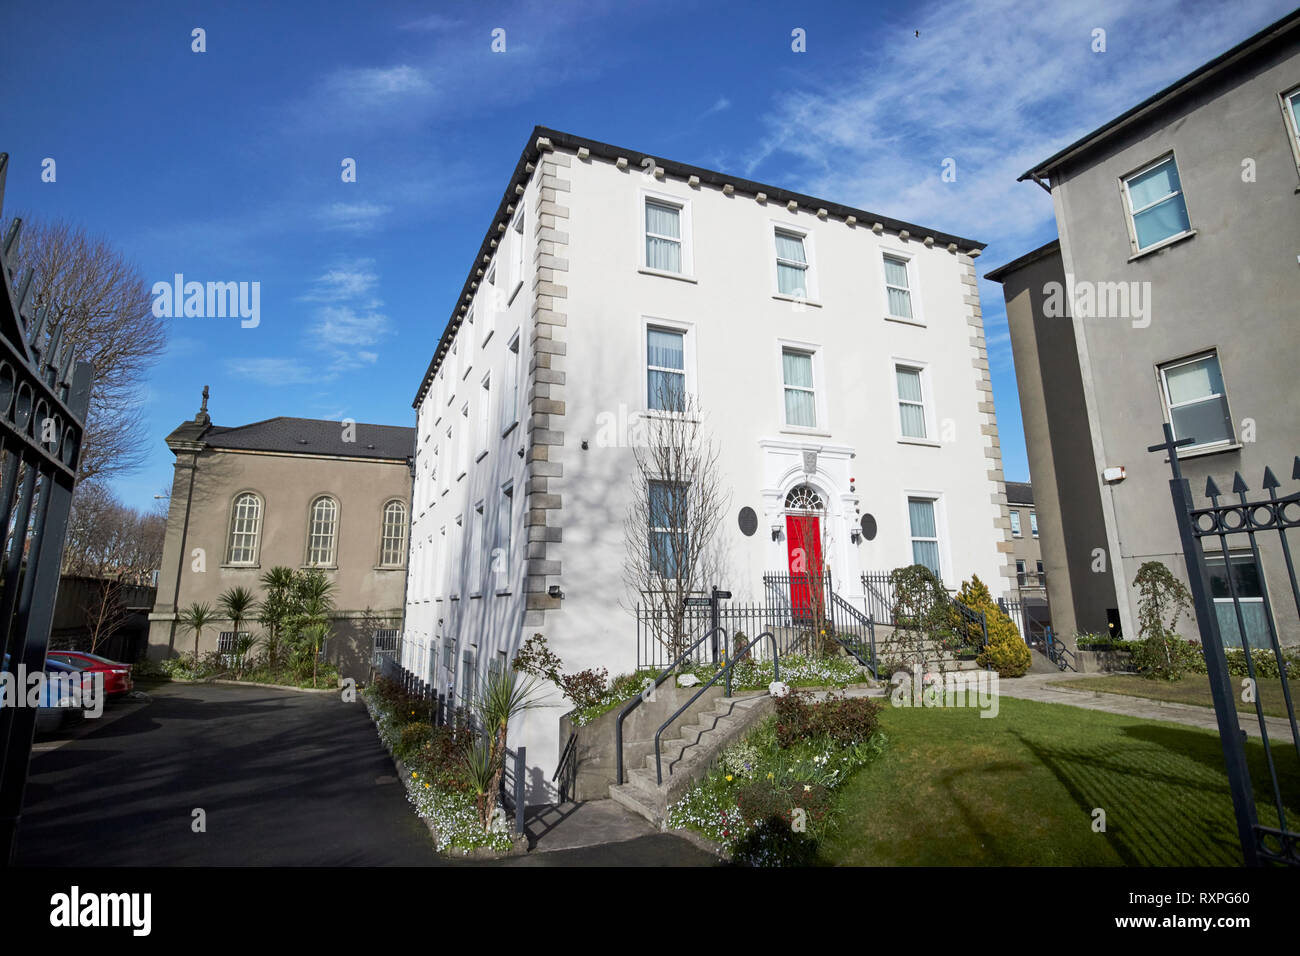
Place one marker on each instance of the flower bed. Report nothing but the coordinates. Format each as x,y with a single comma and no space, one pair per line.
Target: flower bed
430,761
749,674
770,799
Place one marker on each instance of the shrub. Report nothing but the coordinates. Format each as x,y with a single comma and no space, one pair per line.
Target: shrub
783,820
1007,653
1168,657
1161,596
844,720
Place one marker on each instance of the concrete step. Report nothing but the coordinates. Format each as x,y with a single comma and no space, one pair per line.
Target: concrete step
636,801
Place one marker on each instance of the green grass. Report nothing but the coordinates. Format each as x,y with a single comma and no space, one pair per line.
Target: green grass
955,789
1192,689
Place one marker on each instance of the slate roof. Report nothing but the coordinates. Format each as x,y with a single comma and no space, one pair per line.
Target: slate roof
1020,493
308,436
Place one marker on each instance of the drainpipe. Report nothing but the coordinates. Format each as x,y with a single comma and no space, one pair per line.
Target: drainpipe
180,562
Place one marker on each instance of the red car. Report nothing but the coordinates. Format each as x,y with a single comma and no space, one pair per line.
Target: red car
117,676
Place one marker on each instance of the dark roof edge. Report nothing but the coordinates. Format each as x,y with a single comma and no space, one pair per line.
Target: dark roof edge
1205,72
570,142
1042,252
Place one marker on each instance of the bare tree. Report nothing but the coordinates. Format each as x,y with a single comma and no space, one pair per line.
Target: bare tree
107,539
677,506
102,303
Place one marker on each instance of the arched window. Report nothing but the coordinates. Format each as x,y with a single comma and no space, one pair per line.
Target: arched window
245,529
803,498
322,532
392,547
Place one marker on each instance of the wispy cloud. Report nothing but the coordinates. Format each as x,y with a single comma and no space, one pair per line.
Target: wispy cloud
273,371
352,216
720,104
343,282
990,91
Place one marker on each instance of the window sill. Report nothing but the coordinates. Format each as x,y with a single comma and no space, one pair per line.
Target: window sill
504,593
240,567
318,567
790,298
511,300
481,455
923,442
797,430
509,428
474,597
390,567
462,475
679,276
902,321
1162,244
1197,451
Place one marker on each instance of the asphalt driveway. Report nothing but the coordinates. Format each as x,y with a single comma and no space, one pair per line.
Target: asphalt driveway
283,778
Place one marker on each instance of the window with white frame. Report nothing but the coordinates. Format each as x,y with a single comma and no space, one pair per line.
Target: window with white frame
484,414
476,531
911,402
446,461
898,287
518,226
510,386
392,549
665,369
322,537
1015,524
925,533
1156,207
1247,583
792,267
1033,523
668,537
800,393
664,250
452,367
245,529
1291,114
462,458
491,277
1196,401
501,541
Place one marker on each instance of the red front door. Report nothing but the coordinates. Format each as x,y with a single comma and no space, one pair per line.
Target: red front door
803,541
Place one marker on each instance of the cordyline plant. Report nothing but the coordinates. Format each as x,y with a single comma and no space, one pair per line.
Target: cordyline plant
502,697
274,608
194,619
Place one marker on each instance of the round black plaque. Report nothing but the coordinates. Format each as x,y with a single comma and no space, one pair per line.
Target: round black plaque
748,521
868,527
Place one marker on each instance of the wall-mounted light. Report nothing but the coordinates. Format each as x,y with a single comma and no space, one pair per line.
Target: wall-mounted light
776,532
855,535
554,591
584,444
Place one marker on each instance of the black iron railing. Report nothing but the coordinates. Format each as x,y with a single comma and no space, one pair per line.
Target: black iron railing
636,701
723,672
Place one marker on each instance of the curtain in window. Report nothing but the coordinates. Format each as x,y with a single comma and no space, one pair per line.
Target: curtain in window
921,514
792,266
666,377
909,391
663,247
666,537
900,299
1196,414
1167,218
800,403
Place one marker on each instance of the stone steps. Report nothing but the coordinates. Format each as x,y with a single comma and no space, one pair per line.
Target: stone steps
687,757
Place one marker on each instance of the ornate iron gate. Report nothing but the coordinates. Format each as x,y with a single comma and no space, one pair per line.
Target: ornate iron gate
43,405
1200,528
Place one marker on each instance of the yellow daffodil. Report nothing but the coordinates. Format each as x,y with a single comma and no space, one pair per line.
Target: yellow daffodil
729,778
414,774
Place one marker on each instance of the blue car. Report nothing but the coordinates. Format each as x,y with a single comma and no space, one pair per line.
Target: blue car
57,709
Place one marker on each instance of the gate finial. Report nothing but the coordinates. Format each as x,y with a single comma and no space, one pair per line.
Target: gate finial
1211,489
1238,484
1295,469
1270,480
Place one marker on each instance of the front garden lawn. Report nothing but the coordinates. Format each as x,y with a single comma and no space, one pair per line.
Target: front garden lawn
953,788
1192,689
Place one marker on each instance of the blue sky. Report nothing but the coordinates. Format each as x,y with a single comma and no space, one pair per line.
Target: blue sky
224,165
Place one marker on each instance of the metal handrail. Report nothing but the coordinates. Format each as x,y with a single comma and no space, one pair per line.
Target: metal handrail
974,617
861,619
635,702
1058,653
725,669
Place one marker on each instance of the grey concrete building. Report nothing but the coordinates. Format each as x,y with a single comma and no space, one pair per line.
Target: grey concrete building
297,492
1172,295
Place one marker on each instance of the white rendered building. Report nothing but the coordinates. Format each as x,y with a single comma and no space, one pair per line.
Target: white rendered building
837,354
